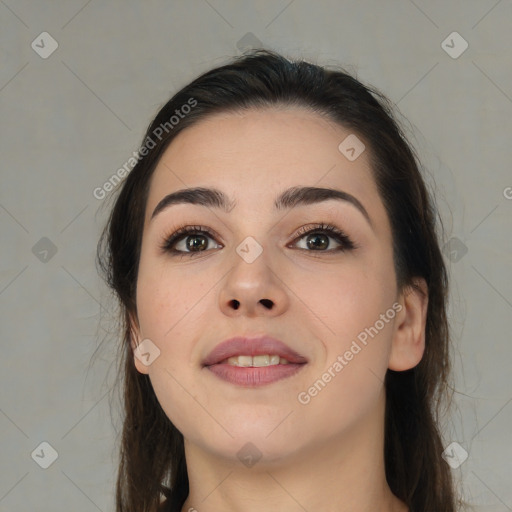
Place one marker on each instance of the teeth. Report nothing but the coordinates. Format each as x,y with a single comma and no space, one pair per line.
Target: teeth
257,361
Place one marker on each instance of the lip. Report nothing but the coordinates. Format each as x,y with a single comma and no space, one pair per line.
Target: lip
251,377
240,345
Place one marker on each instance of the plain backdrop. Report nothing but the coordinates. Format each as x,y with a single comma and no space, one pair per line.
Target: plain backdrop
70,118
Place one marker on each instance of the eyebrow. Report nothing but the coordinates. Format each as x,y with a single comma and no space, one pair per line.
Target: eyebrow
290,198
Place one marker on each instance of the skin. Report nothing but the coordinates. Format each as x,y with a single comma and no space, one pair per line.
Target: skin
328,454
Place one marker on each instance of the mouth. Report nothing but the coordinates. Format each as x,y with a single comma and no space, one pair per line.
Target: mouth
251,362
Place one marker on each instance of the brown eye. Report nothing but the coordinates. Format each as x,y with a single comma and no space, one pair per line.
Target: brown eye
317,238
188,241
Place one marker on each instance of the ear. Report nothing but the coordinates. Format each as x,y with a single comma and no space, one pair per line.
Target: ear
135,339
408,343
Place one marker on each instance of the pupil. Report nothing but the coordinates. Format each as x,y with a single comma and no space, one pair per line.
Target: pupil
193,245
317,246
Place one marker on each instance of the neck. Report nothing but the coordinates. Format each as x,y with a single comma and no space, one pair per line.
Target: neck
342,474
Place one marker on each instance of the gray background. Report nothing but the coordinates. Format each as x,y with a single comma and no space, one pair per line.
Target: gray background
70,120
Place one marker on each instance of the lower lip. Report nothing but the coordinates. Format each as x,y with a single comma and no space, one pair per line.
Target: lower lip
252,376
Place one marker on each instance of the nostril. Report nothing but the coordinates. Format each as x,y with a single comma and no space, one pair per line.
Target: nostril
267,303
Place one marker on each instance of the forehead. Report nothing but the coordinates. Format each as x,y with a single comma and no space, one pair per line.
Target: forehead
254,154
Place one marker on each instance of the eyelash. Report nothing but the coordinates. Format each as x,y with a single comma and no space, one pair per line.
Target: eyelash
346,242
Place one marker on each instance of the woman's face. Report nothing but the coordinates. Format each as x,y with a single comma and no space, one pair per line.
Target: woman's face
258,274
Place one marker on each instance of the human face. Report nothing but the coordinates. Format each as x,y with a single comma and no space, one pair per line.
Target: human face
321,299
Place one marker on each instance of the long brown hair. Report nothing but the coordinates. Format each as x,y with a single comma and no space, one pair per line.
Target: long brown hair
152,459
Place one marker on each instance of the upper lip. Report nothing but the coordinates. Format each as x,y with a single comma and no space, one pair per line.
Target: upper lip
252,347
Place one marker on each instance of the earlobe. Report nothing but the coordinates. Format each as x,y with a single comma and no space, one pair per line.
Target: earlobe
408,343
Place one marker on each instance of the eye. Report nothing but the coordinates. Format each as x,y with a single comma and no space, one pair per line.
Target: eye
187,241
317,238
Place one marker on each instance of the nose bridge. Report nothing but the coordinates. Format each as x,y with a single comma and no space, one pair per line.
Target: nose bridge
252,270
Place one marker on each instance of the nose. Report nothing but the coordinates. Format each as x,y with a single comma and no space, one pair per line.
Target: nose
253,289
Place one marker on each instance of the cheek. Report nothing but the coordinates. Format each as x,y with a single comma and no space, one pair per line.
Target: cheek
169,306
168,300
354,319
350,298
